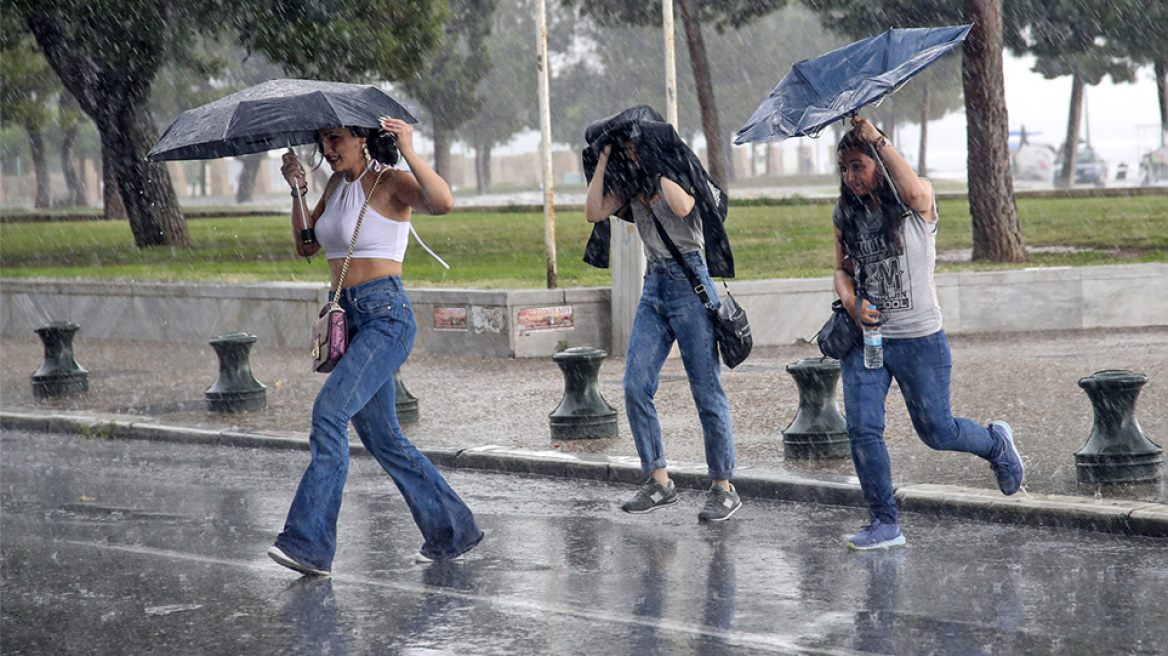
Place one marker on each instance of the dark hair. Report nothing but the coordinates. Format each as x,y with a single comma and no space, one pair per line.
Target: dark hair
853,208
382,145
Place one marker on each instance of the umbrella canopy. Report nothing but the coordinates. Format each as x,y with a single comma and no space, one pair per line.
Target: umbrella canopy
273,114
819,91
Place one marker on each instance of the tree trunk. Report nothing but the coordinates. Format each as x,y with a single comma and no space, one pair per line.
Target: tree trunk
1161,69
483,167
996,234
247,176
70,167
716,144
443,138
922,168
117,101
127,132
111,198
40,168
1066,175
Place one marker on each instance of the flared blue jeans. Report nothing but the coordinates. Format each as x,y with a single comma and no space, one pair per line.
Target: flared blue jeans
361,389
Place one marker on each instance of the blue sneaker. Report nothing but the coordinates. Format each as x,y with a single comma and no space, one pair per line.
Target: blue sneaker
876,535
1007,465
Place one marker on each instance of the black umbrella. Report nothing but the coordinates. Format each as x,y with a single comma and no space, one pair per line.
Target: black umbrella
273,114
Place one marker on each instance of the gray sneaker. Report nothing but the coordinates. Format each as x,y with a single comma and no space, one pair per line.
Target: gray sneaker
650,497
720,505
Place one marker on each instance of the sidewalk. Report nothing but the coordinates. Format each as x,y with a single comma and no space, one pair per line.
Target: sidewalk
493,414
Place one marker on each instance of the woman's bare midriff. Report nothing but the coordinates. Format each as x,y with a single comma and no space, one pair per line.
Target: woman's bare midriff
363,269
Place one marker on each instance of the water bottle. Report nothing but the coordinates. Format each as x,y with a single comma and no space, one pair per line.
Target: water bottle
873,345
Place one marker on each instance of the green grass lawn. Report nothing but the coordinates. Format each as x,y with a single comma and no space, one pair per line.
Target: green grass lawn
506,249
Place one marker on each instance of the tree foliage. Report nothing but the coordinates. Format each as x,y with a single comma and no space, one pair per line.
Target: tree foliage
343,40
723,15
509,91
1070,38
27,85
449,87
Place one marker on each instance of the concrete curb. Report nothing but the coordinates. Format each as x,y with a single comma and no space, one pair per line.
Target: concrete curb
1062,511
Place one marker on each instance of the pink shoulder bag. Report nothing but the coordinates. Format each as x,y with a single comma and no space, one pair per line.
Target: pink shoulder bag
330,332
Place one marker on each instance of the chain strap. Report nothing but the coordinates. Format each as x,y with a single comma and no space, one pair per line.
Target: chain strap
353,241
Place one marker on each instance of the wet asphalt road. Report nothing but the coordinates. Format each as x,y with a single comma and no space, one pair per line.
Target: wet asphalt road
131,547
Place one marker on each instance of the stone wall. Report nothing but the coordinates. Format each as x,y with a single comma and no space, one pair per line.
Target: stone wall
536,322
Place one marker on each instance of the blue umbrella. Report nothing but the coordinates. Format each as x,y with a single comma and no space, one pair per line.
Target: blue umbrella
273,114
817,92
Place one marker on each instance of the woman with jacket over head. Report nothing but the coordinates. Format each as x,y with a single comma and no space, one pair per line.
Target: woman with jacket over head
381,333
887,231
669,311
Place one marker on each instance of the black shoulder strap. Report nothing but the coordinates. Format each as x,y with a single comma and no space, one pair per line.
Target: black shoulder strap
697,285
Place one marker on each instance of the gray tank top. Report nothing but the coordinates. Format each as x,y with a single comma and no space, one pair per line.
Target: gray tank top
902,285
686,232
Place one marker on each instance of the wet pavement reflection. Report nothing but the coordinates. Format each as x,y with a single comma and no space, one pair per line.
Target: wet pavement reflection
117,547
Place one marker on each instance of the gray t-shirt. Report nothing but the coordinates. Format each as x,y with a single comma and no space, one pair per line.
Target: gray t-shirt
902,286
686,232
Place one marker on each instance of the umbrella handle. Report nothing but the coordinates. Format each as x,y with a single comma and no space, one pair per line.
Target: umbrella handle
307,235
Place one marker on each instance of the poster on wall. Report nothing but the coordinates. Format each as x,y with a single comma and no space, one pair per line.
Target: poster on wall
546,318
449,318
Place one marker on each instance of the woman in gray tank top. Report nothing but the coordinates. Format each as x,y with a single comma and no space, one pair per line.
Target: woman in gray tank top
669,311
885,227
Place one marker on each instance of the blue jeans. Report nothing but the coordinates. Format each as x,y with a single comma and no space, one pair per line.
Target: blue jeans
670,310
921,366
361,389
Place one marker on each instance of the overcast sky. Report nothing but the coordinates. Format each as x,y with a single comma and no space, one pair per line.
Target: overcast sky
1123,118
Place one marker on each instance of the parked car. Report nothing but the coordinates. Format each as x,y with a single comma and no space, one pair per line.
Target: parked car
1033,162
1090,168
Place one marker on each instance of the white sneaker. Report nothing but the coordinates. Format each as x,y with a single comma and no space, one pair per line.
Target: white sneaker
420,559
277,554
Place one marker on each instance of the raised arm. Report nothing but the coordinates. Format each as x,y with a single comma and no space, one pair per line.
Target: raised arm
679,201
598,206
295,177
916,192
429,194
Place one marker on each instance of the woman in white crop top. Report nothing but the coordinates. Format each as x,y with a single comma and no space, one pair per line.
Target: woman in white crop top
381,334
396,196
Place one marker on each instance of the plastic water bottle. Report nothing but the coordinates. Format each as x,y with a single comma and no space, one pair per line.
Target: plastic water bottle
873,346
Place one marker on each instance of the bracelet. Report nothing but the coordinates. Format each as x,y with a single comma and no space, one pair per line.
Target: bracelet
303,191
880,143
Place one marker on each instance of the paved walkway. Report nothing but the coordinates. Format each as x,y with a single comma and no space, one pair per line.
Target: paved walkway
493,413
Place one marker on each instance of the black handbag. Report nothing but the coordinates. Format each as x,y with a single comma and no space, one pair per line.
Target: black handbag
840,334
731,328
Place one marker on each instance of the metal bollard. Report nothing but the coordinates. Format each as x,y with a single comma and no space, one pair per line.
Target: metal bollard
235,390
819,430
583,413
59,374
1117,450
405,403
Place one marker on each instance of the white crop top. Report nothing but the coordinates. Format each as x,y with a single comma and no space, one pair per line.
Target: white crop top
380,236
